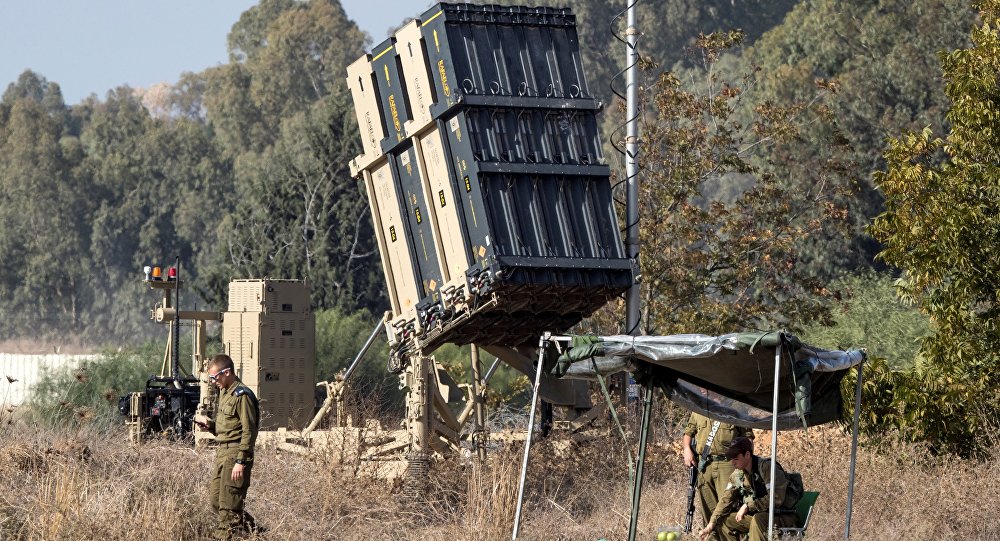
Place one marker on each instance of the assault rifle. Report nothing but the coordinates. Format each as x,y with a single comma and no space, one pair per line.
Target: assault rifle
703,460
690,503
692,484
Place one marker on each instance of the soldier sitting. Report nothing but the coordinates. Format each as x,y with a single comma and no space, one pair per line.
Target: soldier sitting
743,507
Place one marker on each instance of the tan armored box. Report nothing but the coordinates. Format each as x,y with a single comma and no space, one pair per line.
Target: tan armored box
269,296
274,348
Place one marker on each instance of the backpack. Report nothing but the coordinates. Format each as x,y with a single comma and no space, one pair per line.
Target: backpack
794,490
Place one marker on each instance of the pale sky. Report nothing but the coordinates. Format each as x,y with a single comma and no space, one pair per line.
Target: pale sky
92,46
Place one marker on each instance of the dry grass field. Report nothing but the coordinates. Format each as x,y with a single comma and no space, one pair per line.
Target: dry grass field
85,484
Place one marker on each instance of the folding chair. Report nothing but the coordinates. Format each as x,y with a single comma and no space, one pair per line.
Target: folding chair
804,511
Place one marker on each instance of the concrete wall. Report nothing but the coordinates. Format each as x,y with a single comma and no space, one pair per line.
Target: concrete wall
27,370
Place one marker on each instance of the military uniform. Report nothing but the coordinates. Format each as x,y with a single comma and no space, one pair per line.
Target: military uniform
751,489
712,481
236,424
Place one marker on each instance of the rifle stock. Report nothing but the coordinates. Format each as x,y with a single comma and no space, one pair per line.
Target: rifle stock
690,503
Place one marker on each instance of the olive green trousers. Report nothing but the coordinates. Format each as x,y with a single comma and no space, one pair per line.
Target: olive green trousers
228,497
755,525
711,484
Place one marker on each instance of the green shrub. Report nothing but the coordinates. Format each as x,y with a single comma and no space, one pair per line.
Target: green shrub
89,392
871,315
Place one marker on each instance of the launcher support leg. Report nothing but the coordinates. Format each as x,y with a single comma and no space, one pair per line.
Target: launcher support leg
418,424
479,430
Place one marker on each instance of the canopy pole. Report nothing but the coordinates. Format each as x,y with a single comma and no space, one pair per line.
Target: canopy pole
774,435
647,409
542,342
854,449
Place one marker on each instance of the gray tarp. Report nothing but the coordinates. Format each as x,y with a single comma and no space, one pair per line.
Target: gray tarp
728,377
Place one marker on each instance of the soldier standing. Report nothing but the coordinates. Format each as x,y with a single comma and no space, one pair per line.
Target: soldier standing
711,439
235,427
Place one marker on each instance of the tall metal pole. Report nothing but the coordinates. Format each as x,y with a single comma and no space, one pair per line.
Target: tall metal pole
632,240
175,361
631,175
854,450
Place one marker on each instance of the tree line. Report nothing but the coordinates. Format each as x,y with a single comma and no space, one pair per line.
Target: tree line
240,170
770,196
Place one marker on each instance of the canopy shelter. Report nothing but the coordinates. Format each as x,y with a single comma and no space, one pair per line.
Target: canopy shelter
767,380
729,378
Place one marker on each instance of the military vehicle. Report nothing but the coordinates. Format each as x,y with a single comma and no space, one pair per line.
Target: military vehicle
269,331
492,206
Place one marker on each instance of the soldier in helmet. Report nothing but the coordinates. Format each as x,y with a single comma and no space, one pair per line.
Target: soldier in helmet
705,443
235,427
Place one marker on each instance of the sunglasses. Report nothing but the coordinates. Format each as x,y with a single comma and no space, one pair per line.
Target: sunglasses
216,375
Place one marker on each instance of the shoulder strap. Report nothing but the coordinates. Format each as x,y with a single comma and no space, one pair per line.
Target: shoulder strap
711,438
759,480
243,390
759,466
703,459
